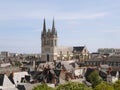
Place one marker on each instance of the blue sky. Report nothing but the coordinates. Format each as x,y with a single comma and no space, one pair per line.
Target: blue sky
94,23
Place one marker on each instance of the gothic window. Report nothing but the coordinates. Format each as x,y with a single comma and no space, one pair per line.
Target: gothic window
55,43
42,42
51,43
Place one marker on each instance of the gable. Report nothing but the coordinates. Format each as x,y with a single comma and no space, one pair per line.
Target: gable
7,82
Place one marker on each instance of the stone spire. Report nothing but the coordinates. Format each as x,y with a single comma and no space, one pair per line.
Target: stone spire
53,27
44,27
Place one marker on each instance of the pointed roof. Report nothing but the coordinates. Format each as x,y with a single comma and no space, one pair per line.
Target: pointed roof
44,27
53,27
5,83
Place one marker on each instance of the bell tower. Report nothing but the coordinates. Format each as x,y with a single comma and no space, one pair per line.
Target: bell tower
48,43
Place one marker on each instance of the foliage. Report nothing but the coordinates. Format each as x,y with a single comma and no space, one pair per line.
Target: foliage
72,86
94,78
117,85
43,87
104,86
17,63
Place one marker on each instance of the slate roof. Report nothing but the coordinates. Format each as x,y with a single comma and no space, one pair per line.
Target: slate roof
21,87
95,53
1,79
113,73
103,75
88,72
78,48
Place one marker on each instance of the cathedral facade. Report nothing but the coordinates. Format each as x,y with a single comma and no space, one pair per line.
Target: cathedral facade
49,43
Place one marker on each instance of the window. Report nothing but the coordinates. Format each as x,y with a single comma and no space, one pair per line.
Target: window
55,43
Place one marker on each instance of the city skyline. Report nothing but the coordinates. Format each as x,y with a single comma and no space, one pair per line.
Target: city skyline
95,24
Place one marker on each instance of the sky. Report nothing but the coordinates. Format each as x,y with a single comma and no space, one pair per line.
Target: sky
93,23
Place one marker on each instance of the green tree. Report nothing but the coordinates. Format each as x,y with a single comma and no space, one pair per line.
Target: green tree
43,87
104,86
17,63
117,85
72,86
94,78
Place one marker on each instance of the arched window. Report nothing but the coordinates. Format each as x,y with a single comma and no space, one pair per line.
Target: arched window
55,43
51,42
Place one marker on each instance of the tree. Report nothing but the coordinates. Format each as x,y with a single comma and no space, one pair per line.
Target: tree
43,87
117,85
72,86
17,63
104,86
94,78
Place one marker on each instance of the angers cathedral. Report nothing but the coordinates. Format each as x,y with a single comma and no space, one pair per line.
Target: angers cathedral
49,43
50,51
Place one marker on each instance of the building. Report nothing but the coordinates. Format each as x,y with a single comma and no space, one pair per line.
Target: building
49,43
113,61
81,53
4,54
50,51
95,55
76,52
65,53
109,51
6,84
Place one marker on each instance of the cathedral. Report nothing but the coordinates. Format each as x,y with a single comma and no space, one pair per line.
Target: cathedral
50,51
49,43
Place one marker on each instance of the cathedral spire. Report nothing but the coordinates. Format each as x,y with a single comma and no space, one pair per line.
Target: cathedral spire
44,27
53,27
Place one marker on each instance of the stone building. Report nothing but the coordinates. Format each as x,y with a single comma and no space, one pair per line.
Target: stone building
49,43
65,53
4,54
113,61
50,51
81,53
114,51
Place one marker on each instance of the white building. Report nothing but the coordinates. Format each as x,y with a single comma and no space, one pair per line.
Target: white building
6,84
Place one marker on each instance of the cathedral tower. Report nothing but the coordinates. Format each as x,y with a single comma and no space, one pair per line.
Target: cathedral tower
48,43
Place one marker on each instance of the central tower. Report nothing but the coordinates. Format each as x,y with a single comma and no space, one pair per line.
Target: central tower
48,43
